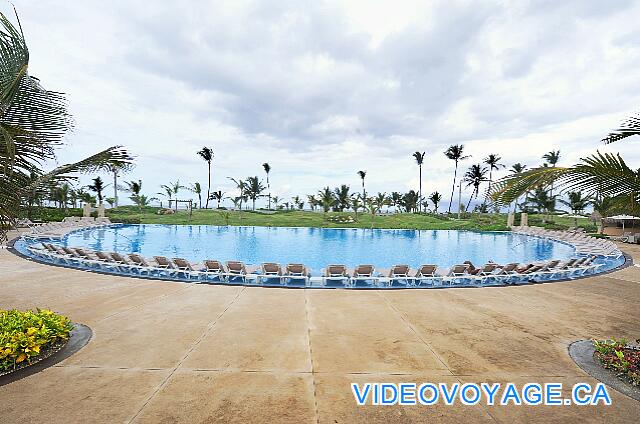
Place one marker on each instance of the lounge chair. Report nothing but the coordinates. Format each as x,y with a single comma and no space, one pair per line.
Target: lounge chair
163,262
296,271
363,273
335,272
236,269
140,263
399,273
270,270
215,268
183,266
425,273
456,272
84,253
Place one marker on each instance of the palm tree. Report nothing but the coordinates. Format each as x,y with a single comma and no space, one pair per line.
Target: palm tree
276,200
493,161
363,174
97,187
356,204
267,169
116,169
217,196
396,198
312,201
475,176
168,192
410,201
241,185
419,157
456,153
297,202
435,199
142,200
342,196
326,198
195,188
576,203
552,157
206,153
133,187
254,189
543,201
175,187
33,122
516,169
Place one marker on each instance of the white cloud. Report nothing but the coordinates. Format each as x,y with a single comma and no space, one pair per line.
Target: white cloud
322,89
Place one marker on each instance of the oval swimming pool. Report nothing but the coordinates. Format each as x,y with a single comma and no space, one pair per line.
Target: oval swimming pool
318,247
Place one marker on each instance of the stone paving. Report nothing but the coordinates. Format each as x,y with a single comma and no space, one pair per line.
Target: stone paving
165,352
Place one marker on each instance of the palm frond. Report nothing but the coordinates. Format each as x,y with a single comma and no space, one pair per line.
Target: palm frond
628,128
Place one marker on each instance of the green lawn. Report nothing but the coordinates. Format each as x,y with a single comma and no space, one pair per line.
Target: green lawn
484,222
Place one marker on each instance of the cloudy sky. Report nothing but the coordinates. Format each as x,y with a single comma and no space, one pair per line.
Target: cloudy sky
322,89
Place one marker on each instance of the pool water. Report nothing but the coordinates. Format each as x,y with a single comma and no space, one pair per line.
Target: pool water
318,247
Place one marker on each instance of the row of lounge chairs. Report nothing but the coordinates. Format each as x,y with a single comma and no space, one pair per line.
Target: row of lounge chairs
465,273
584,244
58,229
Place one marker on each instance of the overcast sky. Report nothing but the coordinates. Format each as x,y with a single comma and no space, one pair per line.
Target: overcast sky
321,90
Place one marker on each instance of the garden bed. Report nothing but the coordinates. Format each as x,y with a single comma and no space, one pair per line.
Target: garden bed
620,357
28,337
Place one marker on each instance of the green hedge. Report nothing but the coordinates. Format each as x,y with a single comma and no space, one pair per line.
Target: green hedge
25,334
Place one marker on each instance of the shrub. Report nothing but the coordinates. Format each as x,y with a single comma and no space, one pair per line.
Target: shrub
617,355
25,334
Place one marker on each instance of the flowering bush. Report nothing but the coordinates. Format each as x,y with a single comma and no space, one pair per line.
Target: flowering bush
617,355
25,334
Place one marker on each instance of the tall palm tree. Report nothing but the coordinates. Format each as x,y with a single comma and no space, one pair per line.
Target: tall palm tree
493,161
206,153
551,159
363,174
33,122
577,203
435,199
197,189
97,187
342,196
254,189
267,169
419,157
456,153
475,176
517,168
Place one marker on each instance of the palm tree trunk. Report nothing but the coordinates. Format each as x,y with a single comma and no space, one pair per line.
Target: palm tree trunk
420,198
115,188
206,206
469,203
269,187
453,187
364,192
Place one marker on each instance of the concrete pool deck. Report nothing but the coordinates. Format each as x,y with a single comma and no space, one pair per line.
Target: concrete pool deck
173,352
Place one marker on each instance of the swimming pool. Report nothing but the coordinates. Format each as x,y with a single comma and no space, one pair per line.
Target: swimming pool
316,248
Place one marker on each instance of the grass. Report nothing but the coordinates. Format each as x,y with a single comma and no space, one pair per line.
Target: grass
481,222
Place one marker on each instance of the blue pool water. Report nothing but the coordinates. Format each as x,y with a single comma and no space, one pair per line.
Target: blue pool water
318,247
